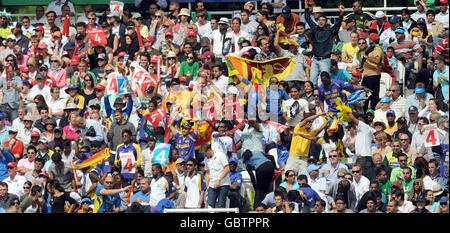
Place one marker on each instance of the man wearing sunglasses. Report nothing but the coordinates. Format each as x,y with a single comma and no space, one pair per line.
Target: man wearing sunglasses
107,199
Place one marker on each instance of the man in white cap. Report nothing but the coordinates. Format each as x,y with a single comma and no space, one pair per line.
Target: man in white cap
380,24
221,43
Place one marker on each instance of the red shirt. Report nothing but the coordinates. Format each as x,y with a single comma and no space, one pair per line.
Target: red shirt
17,149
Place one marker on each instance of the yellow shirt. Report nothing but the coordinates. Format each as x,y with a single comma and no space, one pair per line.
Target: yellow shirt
300,145
391,130
350,49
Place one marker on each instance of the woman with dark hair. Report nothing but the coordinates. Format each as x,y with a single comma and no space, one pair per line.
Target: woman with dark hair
421,36
407,22
290,181
189,68
264,18
40,103
59,198
88,92
33,203
421,166
308,95
261,30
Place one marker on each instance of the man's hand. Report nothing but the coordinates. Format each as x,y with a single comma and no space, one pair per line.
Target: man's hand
341,9
217,184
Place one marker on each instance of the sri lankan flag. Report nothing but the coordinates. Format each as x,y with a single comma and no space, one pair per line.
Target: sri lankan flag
92,161
278,67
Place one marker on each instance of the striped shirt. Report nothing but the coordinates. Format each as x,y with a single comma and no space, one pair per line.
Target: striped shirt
406,49
441,49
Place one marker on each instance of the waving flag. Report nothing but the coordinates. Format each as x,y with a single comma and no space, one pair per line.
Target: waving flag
93,161
280,128
278,67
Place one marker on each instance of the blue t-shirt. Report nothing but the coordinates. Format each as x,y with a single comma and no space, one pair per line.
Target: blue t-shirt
342,75
294,187
329,95
283,153
105,202
276,97
256,160
444,84
311,195
142,196
186,145
236,176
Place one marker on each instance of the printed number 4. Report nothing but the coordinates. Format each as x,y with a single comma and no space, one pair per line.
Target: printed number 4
128,165
431,138
160,157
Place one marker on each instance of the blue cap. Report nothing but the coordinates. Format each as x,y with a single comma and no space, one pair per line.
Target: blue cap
421,21
394,19
102,56
385,100
443,199
2,116
400,30
70,87
24,81
419,90
69,46
233,159
312,167
86,199
421,198
390,112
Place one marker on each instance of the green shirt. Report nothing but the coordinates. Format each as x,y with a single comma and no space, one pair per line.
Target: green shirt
190,71
408,186
386,187
399,170
81,82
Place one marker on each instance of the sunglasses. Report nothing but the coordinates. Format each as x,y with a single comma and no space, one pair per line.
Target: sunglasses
10,60
26,187
356,171
190,57
108,71
106,182
91,18
171,58
332,156
54,61
361,43
158,16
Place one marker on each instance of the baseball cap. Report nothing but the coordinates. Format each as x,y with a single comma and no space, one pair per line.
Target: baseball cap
233,160
419,90
39,28
40,77
312,167
421,21
402,120
286,12
149,39
119,100
392,112
241,39
186,126
400,30
130,24
69,46
102,56
413,109
208,54
12,164
99,87
79,36
192,33
379,14
444,1
374,36
42,46
44,174
233,90
370,111
24,69
74,61
168,33
136,15
394,19
152,138
43,140
180,160
443,199
2,116
86,200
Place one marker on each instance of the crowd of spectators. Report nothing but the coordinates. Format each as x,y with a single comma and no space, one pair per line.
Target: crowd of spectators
59,108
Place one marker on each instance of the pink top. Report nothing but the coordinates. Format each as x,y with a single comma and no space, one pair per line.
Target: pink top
71,134
26,163
60,77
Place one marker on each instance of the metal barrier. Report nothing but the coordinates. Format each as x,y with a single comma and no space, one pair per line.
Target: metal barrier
230,14
215,210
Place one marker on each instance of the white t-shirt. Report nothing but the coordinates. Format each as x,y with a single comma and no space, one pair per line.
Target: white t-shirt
193,190
216,166
295,108
57,105
361,187
363,141
205,29
15,186
222,144
218,41
147,156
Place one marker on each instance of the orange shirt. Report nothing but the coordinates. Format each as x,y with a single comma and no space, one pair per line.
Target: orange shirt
289,24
